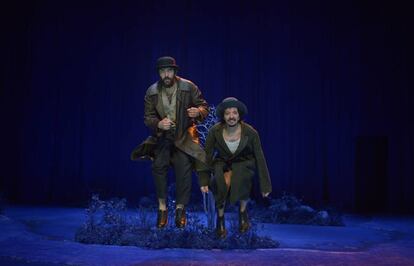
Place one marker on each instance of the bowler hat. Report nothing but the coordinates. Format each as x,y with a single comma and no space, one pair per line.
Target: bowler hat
228,103
166,61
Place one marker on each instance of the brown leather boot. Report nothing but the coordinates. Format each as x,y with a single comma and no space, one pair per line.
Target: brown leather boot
244,223
180,218
220,227
162,218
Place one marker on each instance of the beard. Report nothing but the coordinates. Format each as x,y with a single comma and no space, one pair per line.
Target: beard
167,82
232,122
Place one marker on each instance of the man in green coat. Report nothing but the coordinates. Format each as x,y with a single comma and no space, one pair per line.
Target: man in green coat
234,153
173,105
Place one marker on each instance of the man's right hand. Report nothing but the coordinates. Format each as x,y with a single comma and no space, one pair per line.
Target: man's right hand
165,124
204,189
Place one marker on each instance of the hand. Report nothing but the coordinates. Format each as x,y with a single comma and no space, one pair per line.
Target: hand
193,112
165,124
204,189
265,194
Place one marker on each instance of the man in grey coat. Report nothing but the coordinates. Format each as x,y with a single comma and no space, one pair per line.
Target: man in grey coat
234,153
173,105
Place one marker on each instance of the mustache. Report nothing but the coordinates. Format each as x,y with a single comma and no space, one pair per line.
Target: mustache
167,81
167,78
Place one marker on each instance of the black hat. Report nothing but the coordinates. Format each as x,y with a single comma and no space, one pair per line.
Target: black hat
228,103
166,61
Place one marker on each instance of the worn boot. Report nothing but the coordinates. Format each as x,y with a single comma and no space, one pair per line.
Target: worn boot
162,218
244,223
180,218
220,227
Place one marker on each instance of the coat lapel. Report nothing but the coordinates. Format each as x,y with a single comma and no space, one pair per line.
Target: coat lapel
221,142
179,101
180,98
244,139
160,106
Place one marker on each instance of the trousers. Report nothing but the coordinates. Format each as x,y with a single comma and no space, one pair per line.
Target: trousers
167,155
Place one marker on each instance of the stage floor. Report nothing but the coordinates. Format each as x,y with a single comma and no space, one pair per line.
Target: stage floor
32,236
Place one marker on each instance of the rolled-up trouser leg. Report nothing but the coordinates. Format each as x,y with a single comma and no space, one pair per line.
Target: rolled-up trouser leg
160,166
182,164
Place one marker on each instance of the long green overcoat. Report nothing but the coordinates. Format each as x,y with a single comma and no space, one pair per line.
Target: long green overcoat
247,159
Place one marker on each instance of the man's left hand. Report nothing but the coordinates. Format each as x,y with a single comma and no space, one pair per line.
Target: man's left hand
265,194
193,112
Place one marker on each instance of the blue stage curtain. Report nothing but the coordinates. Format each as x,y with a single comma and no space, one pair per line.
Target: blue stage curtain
316,77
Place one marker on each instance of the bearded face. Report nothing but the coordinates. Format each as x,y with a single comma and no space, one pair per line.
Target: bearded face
167,76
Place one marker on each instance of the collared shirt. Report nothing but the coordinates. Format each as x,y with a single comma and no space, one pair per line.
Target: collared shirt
169,100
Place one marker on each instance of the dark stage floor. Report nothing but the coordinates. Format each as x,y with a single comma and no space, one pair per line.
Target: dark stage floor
44,236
